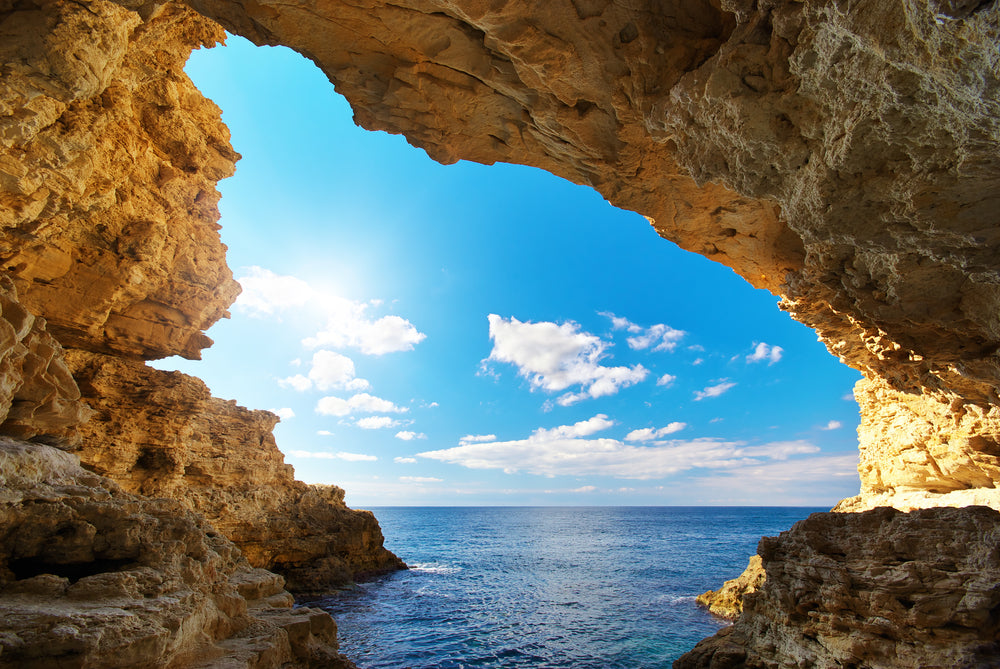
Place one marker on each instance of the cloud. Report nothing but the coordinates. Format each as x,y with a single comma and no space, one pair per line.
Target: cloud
360,403
765,352
285,413
713,391
297,382
833,425
663,336
555,357
586,488
265,293
376,422
564,451
348,324
477,438
324,433
666,380
619,323
342,455
407,435
405,461
649,434
419,479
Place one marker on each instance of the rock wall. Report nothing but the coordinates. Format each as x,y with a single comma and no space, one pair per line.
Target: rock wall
919,590
161,434
91,576
843,155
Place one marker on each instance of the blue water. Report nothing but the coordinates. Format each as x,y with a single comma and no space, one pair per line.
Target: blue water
551,587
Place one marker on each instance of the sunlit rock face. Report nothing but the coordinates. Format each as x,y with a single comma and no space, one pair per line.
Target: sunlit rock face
91,576
161,434
845,156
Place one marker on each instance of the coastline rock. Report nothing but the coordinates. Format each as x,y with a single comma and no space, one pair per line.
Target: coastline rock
879,589
727,601
91,576
162,434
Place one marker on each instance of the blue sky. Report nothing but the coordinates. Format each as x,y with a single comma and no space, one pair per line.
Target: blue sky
469,335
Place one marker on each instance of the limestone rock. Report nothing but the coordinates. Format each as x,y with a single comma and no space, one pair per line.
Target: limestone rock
880,589
91,576
107,177
162,434
727,601
39,399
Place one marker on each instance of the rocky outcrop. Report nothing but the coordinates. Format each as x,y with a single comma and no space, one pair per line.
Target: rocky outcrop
919,590
91,576
162,434
727,601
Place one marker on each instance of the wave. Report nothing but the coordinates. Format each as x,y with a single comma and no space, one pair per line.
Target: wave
434,568
675,600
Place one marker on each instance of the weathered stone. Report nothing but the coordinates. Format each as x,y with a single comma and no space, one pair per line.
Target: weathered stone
107,177
727,601
91,576
39,399
162,434
880,589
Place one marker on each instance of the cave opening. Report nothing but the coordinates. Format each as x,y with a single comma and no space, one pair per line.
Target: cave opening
404,318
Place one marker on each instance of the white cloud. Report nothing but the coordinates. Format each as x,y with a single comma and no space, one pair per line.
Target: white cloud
477,438
564,451
407,435
360,403
265,293
586,488
765,352
713,391
348,324
619,323
419,479
376,422
297,382
649,434
333,370
666,380
405,461
285,413
324,433
342,455
661,337
555,357
833,425
697,361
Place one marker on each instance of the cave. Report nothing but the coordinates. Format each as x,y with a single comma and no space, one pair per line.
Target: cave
843,156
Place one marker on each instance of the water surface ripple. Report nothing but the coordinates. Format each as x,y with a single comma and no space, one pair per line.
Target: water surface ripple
553,587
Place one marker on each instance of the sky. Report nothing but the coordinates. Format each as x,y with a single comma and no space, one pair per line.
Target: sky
494,335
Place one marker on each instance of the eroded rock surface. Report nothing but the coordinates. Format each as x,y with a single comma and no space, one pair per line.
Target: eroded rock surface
727,601
38,397
879,589
162,434
91,576
109,161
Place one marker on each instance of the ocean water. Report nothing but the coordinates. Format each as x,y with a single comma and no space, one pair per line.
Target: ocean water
552,587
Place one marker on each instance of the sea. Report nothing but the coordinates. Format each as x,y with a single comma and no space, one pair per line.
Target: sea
547,587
